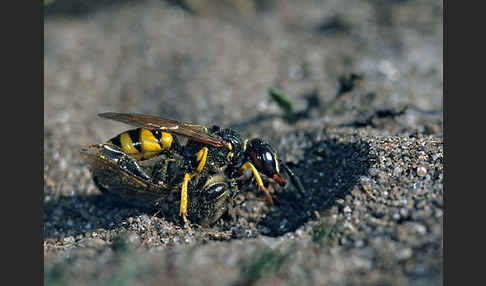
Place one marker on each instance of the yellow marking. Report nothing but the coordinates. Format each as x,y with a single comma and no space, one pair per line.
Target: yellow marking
249,167
166,140
183,205
201,157
151,146
136,156
127,144
229,146
148,141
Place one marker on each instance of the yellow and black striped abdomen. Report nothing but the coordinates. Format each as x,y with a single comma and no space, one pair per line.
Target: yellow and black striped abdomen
142,143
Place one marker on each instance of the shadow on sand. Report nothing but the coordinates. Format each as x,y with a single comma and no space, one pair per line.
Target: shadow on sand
81,214
329,171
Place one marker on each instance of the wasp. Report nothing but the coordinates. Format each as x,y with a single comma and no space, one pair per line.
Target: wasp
165,161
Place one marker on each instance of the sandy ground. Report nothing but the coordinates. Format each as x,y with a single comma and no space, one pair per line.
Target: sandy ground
368,149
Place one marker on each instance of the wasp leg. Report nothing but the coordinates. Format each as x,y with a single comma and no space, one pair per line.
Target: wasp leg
248,166
183,205
201,157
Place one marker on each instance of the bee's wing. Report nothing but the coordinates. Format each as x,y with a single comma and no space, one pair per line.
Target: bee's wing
194,132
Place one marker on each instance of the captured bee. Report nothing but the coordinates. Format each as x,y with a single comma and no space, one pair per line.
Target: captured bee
165,162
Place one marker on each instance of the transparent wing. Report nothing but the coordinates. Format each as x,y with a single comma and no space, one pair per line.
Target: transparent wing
195,132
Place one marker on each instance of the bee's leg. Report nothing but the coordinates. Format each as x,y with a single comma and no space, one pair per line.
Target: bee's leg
201,157
248,166
183,206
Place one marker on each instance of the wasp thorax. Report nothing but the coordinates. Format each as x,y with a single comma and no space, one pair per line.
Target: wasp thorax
234,139
264,158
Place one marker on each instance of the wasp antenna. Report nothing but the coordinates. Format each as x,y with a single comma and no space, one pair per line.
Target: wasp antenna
293,177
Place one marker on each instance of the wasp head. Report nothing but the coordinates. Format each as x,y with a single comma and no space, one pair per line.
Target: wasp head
264,158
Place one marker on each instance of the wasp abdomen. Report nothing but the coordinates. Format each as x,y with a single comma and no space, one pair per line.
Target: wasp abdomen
142,143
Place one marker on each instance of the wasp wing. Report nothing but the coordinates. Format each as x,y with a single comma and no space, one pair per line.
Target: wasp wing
123,184
195,132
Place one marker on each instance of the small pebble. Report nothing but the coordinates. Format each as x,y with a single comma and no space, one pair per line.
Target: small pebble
421,171
421,229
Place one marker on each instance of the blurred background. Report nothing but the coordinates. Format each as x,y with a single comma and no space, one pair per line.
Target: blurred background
215,61
264,67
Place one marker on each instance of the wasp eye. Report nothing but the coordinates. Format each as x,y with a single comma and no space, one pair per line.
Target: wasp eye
264,158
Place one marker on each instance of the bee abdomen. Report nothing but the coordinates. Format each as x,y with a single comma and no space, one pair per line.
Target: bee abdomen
142,143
